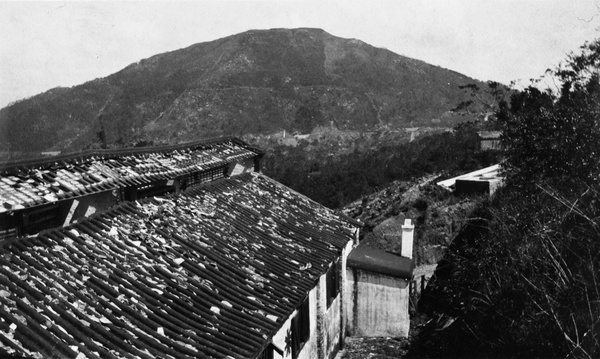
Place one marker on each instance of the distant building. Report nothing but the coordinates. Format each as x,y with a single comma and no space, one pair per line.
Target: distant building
179,251
484,181
489,140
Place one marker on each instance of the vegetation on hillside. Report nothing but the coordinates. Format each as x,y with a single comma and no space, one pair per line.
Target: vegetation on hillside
436,213
523,279
256,82
338,180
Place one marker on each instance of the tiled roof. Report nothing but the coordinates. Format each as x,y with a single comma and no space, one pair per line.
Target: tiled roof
31,183
378,261
212,272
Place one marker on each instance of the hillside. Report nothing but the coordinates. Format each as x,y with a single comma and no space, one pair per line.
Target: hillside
256,82
436,213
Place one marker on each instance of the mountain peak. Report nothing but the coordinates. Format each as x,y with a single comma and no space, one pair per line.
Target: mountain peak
258,81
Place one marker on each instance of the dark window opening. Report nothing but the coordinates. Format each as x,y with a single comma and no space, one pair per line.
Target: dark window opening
300,328
267,353
37,219
333,282
197,178
129,193
10,225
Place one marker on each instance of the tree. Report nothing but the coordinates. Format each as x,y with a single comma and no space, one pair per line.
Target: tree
522,280
488,100
308,115
547,137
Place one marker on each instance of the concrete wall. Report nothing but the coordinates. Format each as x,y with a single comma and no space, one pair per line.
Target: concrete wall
489,186
489,144
282,339
327,324
377,305
332,326
312,348
471,187
334,319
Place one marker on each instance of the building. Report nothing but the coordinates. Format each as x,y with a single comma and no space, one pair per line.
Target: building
378,289
37,195
484,181
173,252
489,140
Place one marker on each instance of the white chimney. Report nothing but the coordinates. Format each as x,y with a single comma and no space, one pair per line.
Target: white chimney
408,231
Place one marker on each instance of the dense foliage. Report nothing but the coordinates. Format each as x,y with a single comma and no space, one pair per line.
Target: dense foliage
337,180
523,279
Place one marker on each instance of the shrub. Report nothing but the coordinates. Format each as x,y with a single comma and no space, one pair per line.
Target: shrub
522,280
421,204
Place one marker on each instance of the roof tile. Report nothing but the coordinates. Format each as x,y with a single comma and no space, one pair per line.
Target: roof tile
44,182
212,272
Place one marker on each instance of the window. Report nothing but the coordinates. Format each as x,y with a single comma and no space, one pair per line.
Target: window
11,225
333,282
300,328
39,218
267,353
197,178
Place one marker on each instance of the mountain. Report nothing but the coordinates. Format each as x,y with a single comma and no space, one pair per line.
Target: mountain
256,82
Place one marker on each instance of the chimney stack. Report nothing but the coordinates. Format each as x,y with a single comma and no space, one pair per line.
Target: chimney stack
408,230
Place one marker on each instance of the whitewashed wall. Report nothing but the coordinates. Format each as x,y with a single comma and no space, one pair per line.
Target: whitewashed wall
327,325
377,304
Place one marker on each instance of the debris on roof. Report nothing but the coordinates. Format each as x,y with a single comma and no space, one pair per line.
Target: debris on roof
31,183
211,272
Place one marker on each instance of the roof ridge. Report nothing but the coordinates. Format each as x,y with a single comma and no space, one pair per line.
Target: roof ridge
337,212
129,151
35,183
227,261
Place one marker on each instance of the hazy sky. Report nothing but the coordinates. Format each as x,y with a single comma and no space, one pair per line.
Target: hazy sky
49,44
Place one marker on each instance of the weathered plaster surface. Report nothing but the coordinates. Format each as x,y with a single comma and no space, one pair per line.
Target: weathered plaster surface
327,324
377,304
